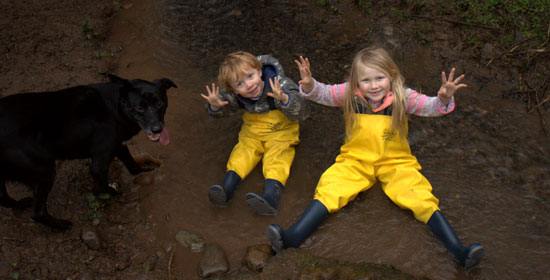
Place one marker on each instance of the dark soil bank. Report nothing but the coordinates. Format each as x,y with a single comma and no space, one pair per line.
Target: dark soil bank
48,46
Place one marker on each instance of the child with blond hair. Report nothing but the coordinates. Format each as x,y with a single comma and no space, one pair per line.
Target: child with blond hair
272,107
376,104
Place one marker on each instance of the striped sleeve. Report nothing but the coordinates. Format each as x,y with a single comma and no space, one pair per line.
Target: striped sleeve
426,106
329,95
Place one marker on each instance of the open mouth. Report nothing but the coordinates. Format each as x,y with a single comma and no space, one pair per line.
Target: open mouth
253,92
161,137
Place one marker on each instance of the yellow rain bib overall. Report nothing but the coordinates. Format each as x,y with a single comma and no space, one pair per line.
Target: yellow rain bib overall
373,152
272,135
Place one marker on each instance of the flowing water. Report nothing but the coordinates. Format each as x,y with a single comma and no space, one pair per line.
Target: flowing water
491,182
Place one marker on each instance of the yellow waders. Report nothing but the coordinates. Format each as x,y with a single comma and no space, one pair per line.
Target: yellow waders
272,135
374,152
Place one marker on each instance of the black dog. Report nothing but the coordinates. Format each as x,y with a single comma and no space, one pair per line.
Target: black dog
90,121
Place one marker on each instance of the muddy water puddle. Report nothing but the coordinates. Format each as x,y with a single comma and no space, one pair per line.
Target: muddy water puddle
465,164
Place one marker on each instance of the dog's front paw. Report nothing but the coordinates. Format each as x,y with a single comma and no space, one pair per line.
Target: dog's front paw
111,189
114,186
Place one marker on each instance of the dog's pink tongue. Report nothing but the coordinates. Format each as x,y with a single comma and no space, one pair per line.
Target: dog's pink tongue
164,139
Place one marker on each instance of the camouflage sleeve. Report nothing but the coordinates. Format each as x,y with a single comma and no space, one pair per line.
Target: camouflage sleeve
297,107
226,110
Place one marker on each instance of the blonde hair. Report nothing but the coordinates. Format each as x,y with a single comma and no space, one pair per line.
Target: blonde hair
380,60
234,66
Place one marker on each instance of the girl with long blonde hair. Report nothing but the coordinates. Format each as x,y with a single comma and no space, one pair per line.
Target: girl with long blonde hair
376,104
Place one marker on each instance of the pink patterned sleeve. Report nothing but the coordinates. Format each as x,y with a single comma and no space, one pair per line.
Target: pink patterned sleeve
426,106
329,95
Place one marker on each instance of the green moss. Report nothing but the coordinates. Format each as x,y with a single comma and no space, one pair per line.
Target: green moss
529,17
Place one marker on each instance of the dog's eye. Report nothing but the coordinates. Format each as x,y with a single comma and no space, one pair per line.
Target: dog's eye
139,109
160,104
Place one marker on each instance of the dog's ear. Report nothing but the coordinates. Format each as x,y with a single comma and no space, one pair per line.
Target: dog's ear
119,81
165,83
124,84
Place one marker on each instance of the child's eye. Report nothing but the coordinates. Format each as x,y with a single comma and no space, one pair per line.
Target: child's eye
250,75
380,78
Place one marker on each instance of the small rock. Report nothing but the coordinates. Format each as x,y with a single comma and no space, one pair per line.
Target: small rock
257,257
213,261
236,13
191,240
91,238
139,258
211,11
121,265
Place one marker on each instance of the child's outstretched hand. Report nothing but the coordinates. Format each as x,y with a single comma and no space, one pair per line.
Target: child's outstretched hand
277,93
213,97
449,87
305,74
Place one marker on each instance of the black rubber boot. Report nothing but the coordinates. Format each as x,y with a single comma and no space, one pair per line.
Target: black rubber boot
467,257
221,195
266,204
298,232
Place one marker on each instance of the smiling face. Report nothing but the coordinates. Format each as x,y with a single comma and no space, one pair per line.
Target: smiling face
372,83
249,83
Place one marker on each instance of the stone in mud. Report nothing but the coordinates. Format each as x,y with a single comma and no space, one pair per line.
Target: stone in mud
191,240
257,257
91,237
213,261
150,177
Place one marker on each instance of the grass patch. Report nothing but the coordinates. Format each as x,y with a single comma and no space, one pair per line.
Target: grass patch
512,20
365,5
525,18
530,17
308,261
97,203
101,54
326,4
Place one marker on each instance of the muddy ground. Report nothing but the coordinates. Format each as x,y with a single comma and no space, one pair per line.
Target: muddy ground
49,46
68,42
